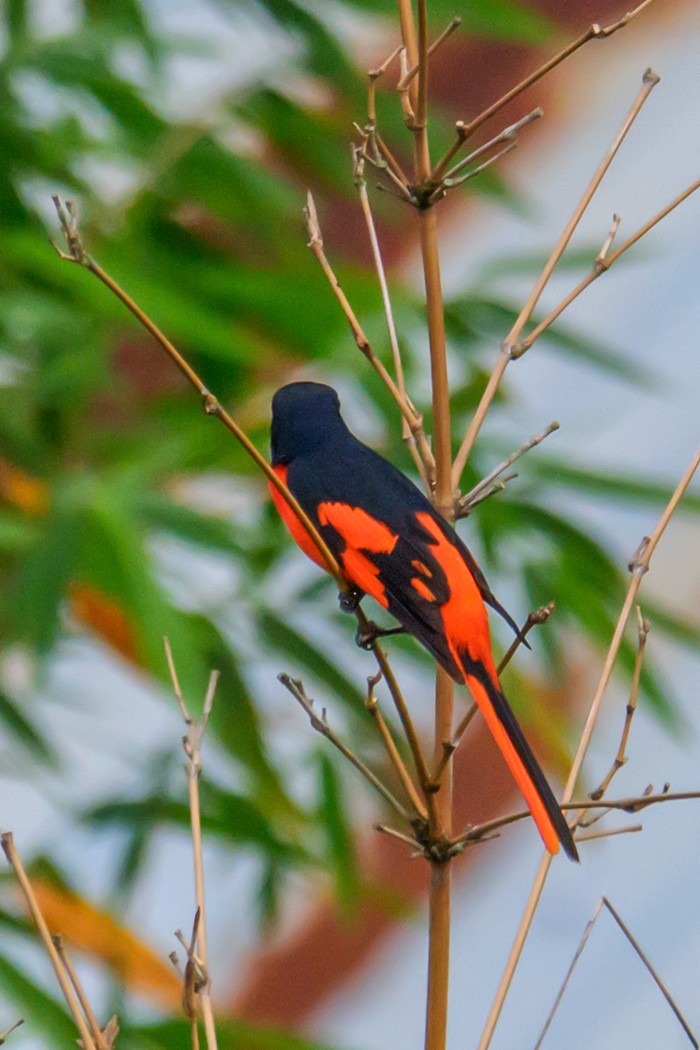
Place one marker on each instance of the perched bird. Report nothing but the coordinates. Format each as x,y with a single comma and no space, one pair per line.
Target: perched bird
393,545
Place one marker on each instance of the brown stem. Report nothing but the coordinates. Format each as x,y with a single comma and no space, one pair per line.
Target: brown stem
638,567
65,958
510,343
603,262
13,858
594,32
643,628
391,749
296,688
212,407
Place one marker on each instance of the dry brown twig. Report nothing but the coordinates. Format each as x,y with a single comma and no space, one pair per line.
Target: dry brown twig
197,979
97,1034
62,975
643,628
639,566
465,504
372,706
68,219
604,902
8,1031
511,341
413,433
413,420
320,723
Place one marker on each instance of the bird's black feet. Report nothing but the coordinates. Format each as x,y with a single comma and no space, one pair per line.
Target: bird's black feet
350,600
366,637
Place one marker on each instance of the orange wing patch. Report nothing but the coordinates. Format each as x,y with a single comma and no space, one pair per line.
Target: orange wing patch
463,614
361,532
421,568
358,528
422,589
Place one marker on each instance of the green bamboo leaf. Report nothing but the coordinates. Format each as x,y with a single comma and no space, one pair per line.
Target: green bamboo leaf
42,1011
336,823
24,731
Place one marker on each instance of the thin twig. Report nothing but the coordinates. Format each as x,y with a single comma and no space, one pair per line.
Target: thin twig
10,1030
534,619
633,804
296,688
467,502
192,744
639,566
609,833
316,245
510,343
643,628
80,992
399,835
414,435
508,135
602,263
68,994
594,32
212,407
447,32
392,751
582,944
449,183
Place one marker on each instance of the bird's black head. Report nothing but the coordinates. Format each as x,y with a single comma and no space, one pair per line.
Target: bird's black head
304,416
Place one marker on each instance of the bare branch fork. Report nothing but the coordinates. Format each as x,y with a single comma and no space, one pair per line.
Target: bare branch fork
639,566
197,982
604,902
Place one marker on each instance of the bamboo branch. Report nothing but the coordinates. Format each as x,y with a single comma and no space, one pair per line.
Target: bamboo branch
392,751
508,135
192,745
65,958
467,502
582,944
602,263
639,566
13,858
632,804
447,32
76,254
415,438
8,1031
643,628
413,419
296,687
510,343
594,32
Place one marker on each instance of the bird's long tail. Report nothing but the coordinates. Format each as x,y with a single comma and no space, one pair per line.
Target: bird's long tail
515,749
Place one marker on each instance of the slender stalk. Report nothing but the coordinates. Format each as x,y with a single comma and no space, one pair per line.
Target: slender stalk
13,858
510,343
65,958
638,567
212,407
391,749
594,32
602,264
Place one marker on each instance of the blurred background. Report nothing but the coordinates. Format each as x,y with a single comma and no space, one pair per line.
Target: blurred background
189,132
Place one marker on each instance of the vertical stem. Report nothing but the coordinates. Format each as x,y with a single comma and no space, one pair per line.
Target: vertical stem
440,873
438,956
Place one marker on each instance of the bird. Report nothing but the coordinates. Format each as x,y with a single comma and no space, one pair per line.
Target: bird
393,545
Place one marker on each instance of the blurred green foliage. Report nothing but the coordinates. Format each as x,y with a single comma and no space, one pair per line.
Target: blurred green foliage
100,442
